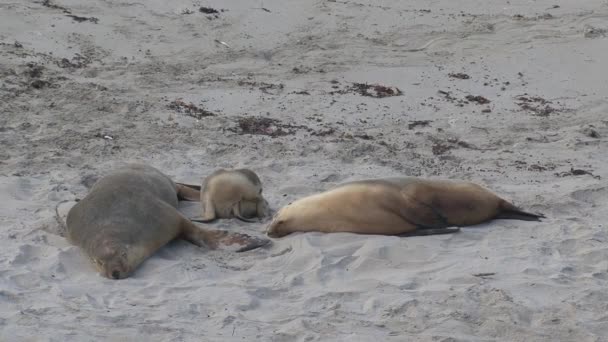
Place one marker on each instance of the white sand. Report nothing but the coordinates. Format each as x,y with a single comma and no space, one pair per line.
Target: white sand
549,279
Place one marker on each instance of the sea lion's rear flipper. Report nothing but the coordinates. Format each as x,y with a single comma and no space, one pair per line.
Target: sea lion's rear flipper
430,231
187,192
192,186
510,212
221,239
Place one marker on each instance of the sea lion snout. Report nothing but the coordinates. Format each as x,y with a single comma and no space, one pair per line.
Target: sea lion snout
274,229
111,260
116,270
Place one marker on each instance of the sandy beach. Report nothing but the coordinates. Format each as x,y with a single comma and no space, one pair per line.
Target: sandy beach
512,95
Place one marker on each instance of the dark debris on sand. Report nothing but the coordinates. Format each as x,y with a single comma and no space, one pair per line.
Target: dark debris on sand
47,3
416,123
375,90
439,148
80,19
442,146
365,89
211,13
447,95
34,70
39,84
257,125
576,172
267,88
77,62
68,12
535,104
460,75
324,133
477,98
189,109
208,10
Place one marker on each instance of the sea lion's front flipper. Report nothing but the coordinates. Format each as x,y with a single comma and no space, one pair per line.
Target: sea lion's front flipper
187,192
208,208
202,219
221,239
425,232
414,209
244,219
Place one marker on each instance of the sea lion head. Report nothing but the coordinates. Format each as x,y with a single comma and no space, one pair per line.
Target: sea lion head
278,226
111,259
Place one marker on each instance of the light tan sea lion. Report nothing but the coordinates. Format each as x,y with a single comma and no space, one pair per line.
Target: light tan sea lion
395,206
131,213
232,193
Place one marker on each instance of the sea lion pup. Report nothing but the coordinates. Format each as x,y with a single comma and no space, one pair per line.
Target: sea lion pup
395,206
232,193
131,213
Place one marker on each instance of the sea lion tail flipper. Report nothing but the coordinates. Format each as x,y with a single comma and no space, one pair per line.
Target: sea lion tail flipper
187,192
430,231
519,215
222,239
511,212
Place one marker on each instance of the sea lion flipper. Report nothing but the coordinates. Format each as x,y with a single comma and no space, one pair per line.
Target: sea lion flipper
187,192
208,208
244,219
222,239
202,219
510,212
421,214
430,231
239,242
192,186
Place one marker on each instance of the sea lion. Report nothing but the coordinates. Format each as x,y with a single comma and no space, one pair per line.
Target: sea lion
232,193
131,213
404,206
